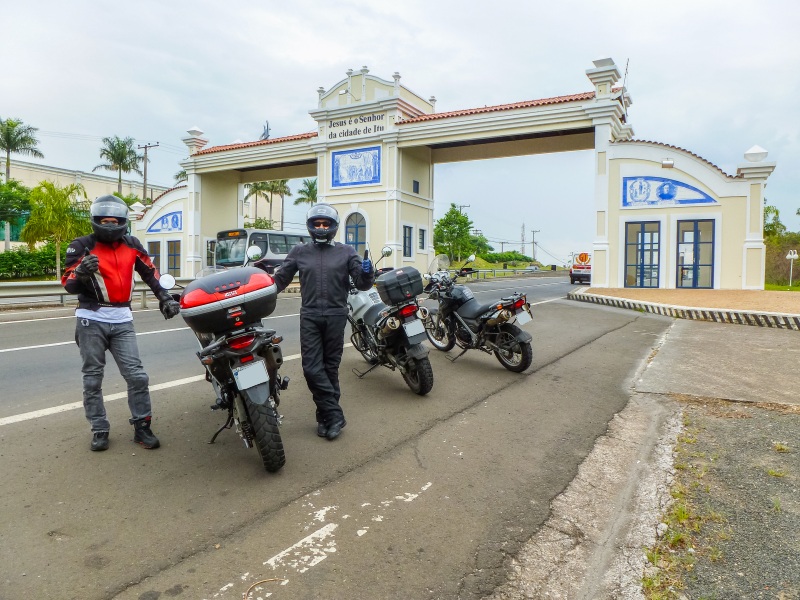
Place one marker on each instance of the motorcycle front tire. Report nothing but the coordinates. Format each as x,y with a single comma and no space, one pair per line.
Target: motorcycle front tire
514,355
439,335
419,375
264,419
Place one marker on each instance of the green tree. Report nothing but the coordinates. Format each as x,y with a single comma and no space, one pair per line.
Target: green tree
16,138
121,157
58,214
258,189
451,233
129,199
14,201
307,194
480,245
772,222
280,187
181,176
260,223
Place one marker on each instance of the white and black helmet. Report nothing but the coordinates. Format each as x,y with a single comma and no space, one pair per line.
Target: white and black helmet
322,211
109,206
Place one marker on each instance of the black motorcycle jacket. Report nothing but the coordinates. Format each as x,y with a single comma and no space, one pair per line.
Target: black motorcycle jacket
325,272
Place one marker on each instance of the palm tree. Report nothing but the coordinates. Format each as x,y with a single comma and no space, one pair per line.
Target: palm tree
181,176
18,138
58,214
259,189
280,187
121,156
308,193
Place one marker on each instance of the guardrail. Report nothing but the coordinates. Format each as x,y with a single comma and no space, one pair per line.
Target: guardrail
54,289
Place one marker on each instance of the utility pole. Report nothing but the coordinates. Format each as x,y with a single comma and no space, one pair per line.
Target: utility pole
533,242
460,206
522,242
144,185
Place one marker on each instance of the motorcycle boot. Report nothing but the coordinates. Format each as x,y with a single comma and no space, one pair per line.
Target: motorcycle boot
99,441
142,434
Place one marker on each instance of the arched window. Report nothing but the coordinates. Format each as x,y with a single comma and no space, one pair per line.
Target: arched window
355,232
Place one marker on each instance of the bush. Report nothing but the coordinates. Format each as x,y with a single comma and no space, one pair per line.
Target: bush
25,264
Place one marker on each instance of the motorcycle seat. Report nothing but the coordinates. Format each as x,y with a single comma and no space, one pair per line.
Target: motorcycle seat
472,309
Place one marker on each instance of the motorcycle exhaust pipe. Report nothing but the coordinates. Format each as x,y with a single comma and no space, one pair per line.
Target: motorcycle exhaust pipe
392,324
503,316
423,313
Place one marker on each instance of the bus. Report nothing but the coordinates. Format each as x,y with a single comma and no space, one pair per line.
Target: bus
232,244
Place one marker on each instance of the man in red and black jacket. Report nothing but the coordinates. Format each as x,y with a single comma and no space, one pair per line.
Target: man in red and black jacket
99,269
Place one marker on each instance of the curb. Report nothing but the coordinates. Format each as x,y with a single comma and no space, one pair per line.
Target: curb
716,315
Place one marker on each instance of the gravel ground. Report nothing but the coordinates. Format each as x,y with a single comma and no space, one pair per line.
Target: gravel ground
741,466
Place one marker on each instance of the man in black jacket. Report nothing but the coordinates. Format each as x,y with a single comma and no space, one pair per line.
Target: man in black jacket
325,269
99,269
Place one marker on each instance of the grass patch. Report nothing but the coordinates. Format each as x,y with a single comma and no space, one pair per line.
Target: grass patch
776,473
780,447
679,546
774,287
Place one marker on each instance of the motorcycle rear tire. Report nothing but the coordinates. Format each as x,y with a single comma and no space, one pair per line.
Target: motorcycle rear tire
419,375
519,355
264,419
439,335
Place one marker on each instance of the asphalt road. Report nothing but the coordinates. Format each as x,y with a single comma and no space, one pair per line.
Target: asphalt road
419,497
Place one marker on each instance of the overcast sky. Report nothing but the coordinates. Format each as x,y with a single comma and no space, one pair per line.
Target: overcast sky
709,76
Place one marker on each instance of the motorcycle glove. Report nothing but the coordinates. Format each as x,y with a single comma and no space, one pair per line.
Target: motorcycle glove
88,266
366,266
168,306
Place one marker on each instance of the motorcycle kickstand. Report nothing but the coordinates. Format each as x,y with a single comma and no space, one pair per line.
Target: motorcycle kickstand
360,375
228,424
455,358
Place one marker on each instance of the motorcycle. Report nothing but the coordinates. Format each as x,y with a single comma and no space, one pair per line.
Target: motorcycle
387,325
459,319
241,357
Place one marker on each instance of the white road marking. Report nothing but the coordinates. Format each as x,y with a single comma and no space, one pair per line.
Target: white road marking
118,396
309,551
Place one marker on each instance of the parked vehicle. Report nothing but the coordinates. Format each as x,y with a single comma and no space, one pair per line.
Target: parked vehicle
224,308
461,320
387,326
231,246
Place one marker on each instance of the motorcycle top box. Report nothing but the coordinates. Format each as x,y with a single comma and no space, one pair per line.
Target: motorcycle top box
228,299
399,285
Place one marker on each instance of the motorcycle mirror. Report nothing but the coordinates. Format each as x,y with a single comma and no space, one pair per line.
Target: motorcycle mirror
167,281
386,251
253,252
470,258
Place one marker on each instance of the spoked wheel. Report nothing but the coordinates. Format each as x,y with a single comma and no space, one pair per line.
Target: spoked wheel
512,354
267,435
359,341
419,375
438,334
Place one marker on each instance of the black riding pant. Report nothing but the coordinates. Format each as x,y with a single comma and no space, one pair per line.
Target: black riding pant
321,346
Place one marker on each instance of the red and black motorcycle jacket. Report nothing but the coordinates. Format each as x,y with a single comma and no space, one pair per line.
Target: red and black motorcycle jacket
112,284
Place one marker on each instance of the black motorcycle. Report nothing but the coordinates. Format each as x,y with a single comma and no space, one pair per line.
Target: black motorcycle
224,308
387,326
461,320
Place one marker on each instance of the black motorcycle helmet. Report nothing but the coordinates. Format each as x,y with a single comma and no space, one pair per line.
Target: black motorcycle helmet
318,212
109,206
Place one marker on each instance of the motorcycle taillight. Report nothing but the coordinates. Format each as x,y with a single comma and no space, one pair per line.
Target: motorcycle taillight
242,341
407,310
519,303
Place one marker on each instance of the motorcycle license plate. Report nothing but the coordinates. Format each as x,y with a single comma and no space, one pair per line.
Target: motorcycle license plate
523,317
250,375
414,327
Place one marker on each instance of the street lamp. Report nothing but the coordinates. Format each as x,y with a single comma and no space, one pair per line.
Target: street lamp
791,257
